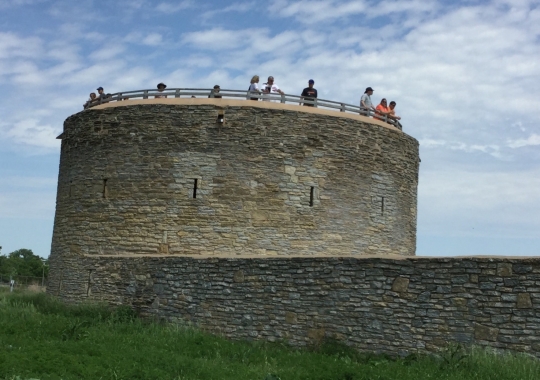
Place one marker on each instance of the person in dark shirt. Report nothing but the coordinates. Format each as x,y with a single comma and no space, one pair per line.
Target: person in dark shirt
309,93
216,92
101,93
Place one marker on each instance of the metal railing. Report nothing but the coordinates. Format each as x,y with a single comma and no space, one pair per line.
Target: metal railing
239,94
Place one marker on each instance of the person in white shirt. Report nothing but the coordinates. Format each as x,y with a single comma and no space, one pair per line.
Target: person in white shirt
271,88
366,107
254,87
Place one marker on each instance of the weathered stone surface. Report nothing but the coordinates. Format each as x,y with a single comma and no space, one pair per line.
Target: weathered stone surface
306,299
400,284
485,333
290,317
268,182
523,301
239,276
257,228
504,269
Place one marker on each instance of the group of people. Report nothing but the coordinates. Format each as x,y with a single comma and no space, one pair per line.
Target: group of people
270,87
383,111
96,98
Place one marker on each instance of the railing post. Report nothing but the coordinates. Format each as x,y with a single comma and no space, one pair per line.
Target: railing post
145,94
212,94
315,102
342,109
177,93
119,97
282,98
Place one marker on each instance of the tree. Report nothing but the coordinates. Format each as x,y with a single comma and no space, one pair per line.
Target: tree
23,262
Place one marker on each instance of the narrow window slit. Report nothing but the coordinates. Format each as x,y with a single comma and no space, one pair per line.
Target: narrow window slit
220,118
311,196
104,188
89,282
195,182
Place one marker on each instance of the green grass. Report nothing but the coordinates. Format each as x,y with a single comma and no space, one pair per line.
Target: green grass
41,338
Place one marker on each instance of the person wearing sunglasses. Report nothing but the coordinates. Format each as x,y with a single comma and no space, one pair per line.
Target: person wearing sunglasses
271,88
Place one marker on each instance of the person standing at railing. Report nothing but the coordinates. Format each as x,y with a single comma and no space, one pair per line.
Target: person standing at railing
271,88
309,93
101,94
392,115
215,92
90,100
254,87
382,111
365,102
161,87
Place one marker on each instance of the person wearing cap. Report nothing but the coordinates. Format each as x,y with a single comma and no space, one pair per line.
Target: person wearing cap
271,88
309,93
101,94
365,102
215,92
160,88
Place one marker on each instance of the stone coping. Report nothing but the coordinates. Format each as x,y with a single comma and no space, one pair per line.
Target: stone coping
243,103
358,257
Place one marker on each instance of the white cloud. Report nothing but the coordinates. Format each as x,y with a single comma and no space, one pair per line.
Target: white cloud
14,46
235,7
107,52
30,132
174,7
221,39
309,12
463,74
506,204
29,204
533,139
430,143
18,3
153,39
316,11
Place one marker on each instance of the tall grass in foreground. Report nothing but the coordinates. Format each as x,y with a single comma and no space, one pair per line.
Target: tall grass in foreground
41,338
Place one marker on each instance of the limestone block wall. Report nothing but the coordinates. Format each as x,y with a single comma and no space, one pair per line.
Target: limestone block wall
392,305
167,178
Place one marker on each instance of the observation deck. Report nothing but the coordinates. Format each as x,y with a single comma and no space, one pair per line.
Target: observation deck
238,98
141,175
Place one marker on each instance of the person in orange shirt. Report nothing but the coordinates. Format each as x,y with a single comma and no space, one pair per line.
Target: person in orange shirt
382,110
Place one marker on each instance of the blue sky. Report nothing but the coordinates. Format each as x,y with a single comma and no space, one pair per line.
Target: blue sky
464,74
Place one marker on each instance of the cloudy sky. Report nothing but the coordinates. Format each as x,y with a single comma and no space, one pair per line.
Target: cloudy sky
465,76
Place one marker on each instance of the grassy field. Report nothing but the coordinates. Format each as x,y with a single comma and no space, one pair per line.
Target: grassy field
43,339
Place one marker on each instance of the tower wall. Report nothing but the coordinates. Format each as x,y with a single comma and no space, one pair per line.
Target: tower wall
270,180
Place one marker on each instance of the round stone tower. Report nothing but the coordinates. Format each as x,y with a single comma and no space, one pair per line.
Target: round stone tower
233,177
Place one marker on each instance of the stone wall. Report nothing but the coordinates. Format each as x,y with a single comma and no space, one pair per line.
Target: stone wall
398,305
269,181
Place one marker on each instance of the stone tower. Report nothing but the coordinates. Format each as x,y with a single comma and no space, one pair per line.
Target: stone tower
259,220
233,177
